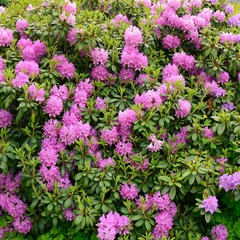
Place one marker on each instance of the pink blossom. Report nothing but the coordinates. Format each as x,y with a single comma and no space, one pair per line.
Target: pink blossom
6,37
20,80
99,56
184,108
54,106
129,191
5,118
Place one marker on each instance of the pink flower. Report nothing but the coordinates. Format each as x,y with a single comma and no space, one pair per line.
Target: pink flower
103,163
111,225
48,156
72,36
99,56
123,148
210,204
171,42
21,25
184,108
132,58
208,133
133,36
20,80
27,67
54,106
129,191
5,118
6,37
64,67
100,103
99,73
155,144
219,232
110,136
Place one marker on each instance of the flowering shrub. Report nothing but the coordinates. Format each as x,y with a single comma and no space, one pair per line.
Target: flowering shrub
120,118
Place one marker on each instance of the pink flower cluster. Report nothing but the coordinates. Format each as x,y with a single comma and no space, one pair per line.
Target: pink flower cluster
219,232
13,205
178,139
29,68
166,210
184,61
110,136
6,37
37,94
5,118
213,89
118,19
129,191
31,51
2,67
210,204
155,144
229,182
208,133
113,224
183,109
69,12
99,56
230,38
103,163
21,26
171,42
64,67
131,57
125,119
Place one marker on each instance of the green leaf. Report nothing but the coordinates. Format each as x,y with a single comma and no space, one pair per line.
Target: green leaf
78,219
207,217
136,217
148,226
221,128
173,192
68,203
139,223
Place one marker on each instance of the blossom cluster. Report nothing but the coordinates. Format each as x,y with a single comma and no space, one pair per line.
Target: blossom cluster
12,205
165,208
230,182
113,224
210,204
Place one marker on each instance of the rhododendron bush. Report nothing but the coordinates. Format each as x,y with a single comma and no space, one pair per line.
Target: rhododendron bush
120,118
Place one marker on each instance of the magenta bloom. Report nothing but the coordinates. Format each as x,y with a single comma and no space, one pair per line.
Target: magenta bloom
219,232
99,56
20,80
64,67
5,118
110,136
129,191
99,73
184,108
208,133
103,163
133,36
210,204
132,58
123,148
21,25
54,106
111,225
155,144
171,42
6,37
27,67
